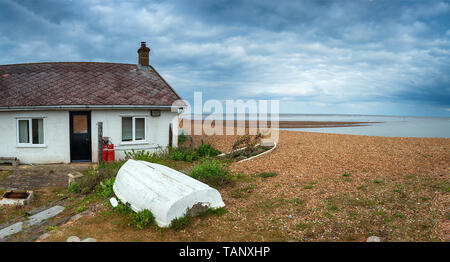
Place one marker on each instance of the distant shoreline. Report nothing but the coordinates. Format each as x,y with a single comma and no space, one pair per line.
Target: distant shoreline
287,124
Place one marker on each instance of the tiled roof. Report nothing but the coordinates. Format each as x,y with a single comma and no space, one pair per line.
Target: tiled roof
56,84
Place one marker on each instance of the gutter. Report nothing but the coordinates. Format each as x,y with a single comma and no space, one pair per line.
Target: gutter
77,107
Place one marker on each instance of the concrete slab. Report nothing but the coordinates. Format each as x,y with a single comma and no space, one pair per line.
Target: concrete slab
46,214
12,229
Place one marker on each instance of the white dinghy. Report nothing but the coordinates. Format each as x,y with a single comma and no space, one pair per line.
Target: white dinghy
166,192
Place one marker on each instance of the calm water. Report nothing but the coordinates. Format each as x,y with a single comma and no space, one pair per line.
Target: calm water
393,126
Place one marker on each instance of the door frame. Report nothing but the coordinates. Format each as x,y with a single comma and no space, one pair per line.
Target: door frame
88,114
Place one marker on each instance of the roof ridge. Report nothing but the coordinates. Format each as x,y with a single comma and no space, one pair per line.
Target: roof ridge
173,90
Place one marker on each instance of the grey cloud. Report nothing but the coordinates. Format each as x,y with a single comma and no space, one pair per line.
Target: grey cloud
329,52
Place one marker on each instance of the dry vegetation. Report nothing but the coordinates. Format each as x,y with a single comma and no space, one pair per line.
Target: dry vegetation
327,187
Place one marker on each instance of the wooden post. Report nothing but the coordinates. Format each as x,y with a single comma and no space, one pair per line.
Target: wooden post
192,142
170,135
100,142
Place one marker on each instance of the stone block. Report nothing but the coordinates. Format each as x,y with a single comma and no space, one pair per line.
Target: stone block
73,177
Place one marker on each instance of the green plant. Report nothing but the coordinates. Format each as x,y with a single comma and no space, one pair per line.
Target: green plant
80,209
346,175
399,215
143,219
333,208
308,187
176,155
301,226
243,177
73,187
50,228
180,223
190,157
154,157
139,220
182,154
212,172
213,211
267,174
94,176
123,209
182,138
242,192
105,188
206,150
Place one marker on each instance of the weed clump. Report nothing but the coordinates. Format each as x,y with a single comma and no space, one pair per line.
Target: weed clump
182,138
212,172
180,223
213,211
94,176
153,157
182,154
139,220
143,219
105,188
267,174
206,150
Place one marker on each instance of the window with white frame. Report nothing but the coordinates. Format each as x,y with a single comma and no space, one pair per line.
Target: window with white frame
133,129
30,131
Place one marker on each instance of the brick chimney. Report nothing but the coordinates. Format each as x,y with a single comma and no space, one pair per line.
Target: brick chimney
143,52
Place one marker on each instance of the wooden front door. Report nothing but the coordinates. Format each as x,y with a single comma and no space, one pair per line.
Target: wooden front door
80,136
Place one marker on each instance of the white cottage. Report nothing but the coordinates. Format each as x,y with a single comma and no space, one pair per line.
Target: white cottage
49,112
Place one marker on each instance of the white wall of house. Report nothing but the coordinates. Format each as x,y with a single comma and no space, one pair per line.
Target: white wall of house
56,147
157,130
56,137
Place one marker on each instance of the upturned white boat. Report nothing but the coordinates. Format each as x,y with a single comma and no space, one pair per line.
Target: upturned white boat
167,193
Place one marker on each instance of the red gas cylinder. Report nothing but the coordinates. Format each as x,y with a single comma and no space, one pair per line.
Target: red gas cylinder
111,154
105,154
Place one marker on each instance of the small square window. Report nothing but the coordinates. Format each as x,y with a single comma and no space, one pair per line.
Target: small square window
30,131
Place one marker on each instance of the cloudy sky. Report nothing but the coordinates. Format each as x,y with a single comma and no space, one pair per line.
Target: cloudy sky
357,57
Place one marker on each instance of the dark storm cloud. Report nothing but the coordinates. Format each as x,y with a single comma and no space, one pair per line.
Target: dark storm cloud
318,54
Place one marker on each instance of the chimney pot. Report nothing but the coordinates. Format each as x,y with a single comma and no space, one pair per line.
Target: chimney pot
143,52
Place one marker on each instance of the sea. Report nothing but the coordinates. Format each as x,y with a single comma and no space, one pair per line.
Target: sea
390,126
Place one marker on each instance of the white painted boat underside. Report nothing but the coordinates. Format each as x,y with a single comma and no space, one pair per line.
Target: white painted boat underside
167,193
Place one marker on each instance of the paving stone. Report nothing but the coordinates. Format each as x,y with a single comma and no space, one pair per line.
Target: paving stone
373,239
14,228
73,239
31,177
46,214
